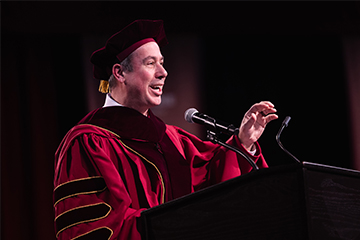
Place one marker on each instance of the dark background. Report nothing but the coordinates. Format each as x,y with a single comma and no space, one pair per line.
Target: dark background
290,53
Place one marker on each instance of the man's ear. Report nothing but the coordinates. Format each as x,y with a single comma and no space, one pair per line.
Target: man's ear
117,71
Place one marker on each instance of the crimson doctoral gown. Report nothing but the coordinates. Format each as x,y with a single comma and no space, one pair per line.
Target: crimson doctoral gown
116,162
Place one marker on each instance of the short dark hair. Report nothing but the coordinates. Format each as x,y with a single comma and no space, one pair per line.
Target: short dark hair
127,66
127,63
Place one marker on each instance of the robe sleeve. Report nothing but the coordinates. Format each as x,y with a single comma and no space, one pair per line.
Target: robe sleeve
96,196
91,200
211,163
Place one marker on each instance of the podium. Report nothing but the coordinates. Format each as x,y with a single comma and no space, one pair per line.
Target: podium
302,201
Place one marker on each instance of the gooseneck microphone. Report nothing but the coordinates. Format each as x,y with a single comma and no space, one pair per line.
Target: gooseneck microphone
284,124
194,116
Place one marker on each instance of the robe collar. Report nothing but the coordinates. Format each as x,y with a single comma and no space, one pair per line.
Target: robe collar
127,123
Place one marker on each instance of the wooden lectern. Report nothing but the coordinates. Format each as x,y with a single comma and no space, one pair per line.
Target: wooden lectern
303,201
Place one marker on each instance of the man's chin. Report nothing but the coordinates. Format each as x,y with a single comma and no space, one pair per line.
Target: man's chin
156,102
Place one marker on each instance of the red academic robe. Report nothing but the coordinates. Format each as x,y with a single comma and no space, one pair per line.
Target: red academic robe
116,162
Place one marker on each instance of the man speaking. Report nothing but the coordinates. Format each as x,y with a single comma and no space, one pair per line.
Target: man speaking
121,159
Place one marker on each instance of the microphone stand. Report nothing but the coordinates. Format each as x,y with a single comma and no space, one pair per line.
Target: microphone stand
284,124
213,138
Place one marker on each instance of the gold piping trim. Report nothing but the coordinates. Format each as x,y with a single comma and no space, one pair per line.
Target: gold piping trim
161,178
87,124
158,171
112,232
89,220
79,193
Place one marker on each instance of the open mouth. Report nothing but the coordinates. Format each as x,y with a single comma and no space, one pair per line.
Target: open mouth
156,87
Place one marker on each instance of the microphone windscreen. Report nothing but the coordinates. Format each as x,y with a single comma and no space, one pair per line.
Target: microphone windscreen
286,121
189,114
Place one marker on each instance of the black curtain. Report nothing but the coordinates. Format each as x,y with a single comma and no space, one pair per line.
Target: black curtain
303,75
43,90
41,98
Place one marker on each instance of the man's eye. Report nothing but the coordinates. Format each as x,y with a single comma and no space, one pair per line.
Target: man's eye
151,63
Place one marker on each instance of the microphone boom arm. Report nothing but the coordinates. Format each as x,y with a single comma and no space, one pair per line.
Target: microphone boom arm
193,116
213,138
219,128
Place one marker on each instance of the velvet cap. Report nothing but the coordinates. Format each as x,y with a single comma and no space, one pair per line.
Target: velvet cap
123,43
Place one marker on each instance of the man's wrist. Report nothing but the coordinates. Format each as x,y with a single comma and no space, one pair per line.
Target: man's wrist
251,149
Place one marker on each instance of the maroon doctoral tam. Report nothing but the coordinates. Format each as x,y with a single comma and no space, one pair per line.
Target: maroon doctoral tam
123,43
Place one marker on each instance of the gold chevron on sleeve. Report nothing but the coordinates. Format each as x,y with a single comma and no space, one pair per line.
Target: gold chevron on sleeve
79,186
83,214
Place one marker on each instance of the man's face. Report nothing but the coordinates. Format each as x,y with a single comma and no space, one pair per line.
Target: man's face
144,85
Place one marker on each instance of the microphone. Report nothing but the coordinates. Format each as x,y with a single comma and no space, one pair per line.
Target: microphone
284,124
194,116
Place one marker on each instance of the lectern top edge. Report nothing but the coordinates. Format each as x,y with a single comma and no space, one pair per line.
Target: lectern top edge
331,169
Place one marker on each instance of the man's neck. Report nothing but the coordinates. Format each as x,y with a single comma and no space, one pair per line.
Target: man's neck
111,102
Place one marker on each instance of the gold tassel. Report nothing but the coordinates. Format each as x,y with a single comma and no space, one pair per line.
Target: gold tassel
104,86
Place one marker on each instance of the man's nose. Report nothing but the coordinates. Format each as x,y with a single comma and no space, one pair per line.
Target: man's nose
161,72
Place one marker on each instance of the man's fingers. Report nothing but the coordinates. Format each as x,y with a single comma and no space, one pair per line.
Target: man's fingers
270,118
261,106
250,121
268,103
262,113
268,111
